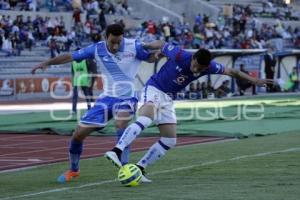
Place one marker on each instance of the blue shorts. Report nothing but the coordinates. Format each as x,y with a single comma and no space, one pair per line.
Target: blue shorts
105,109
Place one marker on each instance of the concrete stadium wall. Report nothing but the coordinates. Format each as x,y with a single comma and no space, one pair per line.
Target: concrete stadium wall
190,7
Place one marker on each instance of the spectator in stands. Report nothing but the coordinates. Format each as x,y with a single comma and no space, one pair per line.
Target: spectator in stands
206,89
76,16
101,16
151,27
53,46
193,93
223,90
7,45
270,63
244,85
166,31
5,5
17,44
31,5
29,39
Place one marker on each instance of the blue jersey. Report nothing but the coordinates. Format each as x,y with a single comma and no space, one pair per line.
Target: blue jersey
175,74
118,71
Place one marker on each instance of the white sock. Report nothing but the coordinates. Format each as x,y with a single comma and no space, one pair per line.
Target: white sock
132,131
157,151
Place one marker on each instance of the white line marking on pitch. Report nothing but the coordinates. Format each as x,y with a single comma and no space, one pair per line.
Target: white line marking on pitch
154,173
24,160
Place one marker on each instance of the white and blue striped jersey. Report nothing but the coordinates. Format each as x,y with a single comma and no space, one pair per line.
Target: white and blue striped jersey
118,70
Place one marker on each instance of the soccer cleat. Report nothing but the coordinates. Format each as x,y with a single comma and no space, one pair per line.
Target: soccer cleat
68,176
144,179
113,157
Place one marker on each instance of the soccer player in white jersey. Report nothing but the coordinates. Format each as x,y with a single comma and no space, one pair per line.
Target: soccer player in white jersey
118,59
180,69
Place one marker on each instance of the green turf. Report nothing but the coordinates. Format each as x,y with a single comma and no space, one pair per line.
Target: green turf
280,114
253,168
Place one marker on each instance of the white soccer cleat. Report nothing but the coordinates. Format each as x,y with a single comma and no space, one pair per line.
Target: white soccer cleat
112,156
144,179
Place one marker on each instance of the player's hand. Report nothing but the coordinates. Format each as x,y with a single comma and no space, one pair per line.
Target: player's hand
41,66
264,82
158,54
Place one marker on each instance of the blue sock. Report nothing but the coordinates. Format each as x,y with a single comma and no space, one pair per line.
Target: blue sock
126,153
75,151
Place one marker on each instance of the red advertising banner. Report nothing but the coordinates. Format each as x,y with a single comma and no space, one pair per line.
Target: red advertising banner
56,85
38,85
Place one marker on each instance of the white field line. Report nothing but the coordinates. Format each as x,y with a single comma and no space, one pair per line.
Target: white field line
155,173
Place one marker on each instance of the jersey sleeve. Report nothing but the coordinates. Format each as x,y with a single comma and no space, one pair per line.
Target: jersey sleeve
175,53
216,68
85,53
141,52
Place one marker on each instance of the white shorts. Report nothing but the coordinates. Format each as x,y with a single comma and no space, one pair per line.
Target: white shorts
164,105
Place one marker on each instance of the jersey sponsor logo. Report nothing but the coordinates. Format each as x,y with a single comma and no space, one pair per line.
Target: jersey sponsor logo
128,55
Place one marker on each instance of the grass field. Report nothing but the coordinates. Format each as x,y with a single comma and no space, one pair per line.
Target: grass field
256,168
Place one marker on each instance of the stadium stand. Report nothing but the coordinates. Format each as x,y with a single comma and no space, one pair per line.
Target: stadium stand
232,26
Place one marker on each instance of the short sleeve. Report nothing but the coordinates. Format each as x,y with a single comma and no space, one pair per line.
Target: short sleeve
216,68
85,53
175,53
141,52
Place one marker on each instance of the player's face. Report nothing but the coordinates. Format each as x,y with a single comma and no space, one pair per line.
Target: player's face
196,67
114,43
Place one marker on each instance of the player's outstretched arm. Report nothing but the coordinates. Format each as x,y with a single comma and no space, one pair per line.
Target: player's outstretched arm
61,59
241,75
155,45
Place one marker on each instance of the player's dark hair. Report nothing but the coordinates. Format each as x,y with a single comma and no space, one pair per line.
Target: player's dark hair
114,29
203,57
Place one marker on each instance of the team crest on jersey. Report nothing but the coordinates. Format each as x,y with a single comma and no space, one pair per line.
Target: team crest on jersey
106,58
181,78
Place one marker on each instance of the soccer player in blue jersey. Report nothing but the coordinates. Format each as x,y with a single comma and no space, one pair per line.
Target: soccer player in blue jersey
118,59
180,69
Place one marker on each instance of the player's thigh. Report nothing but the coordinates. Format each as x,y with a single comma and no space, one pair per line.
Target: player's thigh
147,110
167,130
166,114
124,111
122,118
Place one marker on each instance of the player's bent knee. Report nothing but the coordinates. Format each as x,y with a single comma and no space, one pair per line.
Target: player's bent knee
121,124
169,142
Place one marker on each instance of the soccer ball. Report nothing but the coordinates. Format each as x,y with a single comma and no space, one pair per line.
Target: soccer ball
130,175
